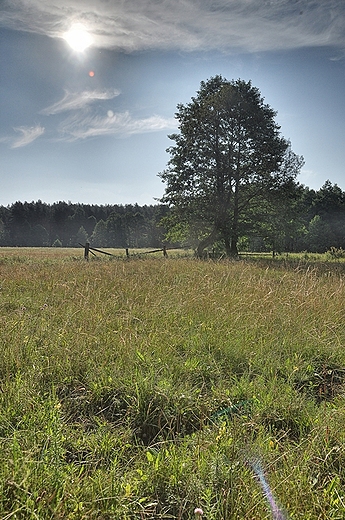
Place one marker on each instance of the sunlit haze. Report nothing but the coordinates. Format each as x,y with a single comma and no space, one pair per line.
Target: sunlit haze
89,88
78,38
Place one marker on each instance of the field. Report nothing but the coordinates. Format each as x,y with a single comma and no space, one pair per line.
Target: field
147,387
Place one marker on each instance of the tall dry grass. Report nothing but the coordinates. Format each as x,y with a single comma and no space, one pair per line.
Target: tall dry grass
144,388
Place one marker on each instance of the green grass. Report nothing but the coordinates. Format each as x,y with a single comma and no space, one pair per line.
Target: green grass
143,388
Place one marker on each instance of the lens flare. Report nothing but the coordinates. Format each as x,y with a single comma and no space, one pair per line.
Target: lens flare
277,513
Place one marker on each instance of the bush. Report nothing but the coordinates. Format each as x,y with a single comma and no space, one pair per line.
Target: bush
336,252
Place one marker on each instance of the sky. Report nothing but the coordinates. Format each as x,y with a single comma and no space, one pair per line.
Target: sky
91,126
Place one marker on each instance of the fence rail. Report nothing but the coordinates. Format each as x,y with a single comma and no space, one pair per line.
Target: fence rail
88,249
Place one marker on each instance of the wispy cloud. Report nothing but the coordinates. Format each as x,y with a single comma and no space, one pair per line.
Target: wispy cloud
248,25
82,126
26,135
78,100
86,120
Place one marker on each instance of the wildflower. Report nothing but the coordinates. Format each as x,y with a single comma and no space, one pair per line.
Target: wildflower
198,511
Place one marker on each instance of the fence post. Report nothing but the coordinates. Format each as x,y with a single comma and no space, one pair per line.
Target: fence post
165,251
86,251
127,252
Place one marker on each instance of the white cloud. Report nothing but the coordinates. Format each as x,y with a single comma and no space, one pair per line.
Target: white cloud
27,135
82,126
86,120
249,25
78,100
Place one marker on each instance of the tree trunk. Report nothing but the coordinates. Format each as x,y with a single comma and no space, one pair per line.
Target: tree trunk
234,230
233,247
227,244
205,242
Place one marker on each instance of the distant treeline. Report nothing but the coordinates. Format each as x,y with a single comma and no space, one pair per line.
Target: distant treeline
63,224
311,221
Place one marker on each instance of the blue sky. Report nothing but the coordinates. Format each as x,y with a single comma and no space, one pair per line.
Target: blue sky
102,138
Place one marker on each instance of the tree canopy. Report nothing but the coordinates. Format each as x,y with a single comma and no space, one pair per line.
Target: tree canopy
228,161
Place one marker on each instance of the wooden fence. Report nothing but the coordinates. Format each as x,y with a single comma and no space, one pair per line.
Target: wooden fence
88,249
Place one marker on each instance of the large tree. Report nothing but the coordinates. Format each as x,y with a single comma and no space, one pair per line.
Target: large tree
228,157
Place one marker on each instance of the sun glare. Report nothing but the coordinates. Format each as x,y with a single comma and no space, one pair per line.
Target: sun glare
78,38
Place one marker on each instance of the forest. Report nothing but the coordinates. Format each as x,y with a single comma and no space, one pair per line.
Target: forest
64,224
308,220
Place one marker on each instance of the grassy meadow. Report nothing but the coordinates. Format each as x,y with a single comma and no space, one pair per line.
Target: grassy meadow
146,387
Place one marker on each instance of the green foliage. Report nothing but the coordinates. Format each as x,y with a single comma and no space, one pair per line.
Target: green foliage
335,252
291,218
320,236
82,236
227,160
99,237
38,224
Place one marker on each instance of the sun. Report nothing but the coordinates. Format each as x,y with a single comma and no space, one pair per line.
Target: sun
78,37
